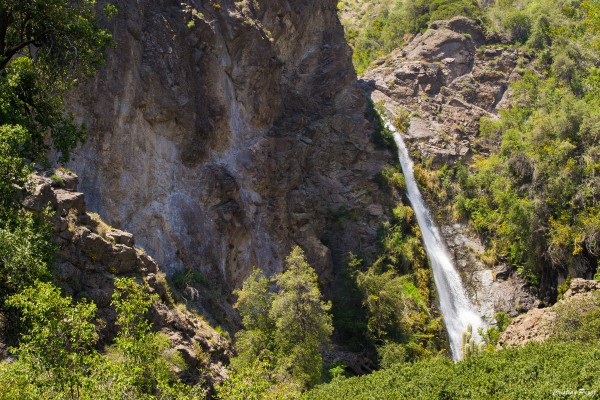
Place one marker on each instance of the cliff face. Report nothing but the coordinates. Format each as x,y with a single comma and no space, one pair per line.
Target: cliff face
222,133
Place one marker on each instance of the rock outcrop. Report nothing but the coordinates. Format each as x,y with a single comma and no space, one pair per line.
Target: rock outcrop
442,83
538,324
448,78
92,254
223,133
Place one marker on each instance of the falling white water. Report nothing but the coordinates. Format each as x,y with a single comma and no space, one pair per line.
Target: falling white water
455,306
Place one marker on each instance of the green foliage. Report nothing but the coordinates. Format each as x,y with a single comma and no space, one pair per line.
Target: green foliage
391,353
302,319
254,302
337,371
256,382
578,319
68,44
279,348
349,318
25,253
420,13
59,338
14,168
491,335
44,47
566,363
57,358
535,371
396,293
385,302
518,26
131,301
58,180
534,199
392,179
401,243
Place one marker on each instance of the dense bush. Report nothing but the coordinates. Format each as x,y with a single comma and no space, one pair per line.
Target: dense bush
57,357
566,366
536,371
535,199
279,349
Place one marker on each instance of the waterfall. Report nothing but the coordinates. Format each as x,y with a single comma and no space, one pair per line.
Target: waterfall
455,306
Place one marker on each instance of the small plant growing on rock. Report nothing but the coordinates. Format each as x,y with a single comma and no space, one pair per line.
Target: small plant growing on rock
58,180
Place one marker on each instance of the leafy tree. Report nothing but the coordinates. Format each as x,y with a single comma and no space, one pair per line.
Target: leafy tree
279,349
302,319
254,302
60,337
44,47
57,358
518,26
255,341
25,250
144,369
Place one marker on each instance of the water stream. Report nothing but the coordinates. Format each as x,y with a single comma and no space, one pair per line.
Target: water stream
455,306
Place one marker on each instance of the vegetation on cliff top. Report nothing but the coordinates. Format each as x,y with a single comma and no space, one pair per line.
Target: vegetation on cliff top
534,199
374,28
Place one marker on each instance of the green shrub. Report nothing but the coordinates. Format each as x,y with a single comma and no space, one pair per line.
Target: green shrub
535,371
58,180
186,276
519,27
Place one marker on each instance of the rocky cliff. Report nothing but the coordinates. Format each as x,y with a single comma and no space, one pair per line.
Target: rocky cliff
439,87
221,133
91,254
539,324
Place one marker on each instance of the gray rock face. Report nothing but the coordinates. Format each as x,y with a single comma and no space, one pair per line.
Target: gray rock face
221,136
492,289
448,82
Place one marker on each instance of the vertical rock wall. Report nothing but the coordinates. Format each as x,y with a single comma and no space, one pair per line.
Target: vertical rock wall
222,133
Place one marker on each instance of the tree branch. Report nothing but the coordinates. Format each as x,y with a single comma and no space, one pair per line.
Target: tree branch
9,54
